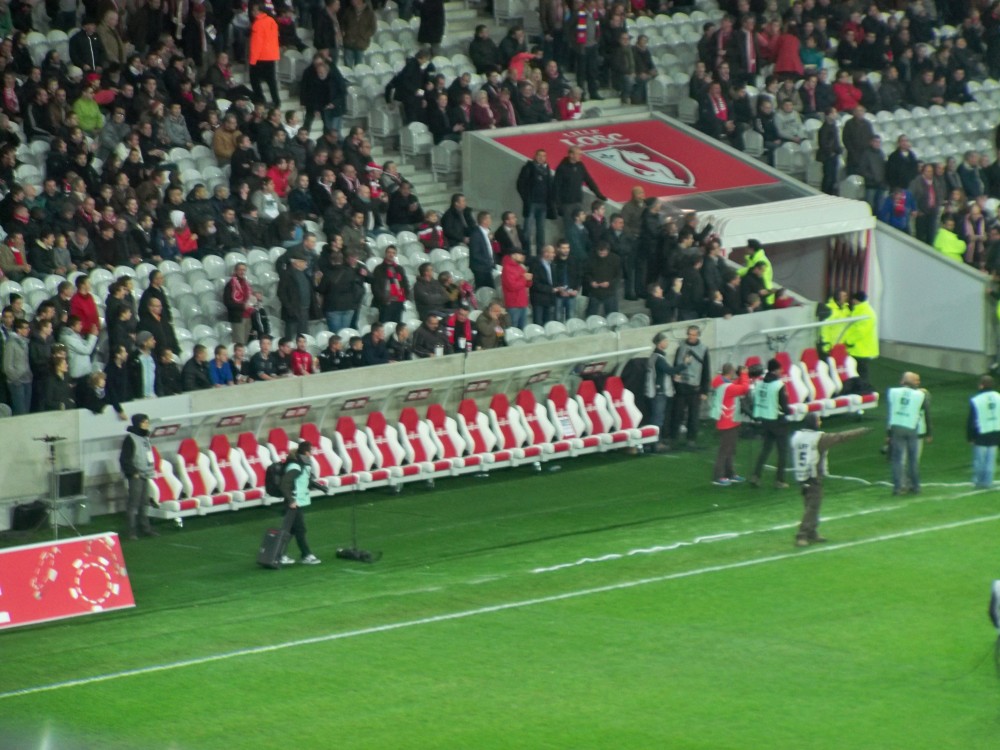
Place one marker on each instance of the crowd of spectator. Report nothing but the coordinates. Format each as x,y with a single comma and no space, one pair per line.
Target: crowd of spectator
885,61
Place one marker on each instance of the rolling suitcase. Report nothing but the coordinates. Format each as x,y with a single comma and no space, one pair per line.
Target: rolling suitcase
272,548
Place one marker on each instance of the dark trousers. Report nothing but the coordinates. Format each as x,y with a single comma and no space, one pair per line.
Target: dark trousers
812,499
628,275
595,305
776,435
588,70
925,227
295,524
864,364
535,215
542,314
687,404
725,459
483,279
831,165
265,72
137,509
297,324
391,312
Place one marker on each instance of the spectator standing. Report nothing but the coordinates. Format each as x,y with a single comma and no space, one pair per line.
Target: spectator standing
481,251
897,208
902,166
323,91
432,24
135,461
588,52
983,431
84,306
17,367
240,300
79,349
857,137
264,53
515,280
660,389
871,168
567,185
601,278
142,366
535,187
728,389
295,292
925,195
568,281
390,287
543,286
358,23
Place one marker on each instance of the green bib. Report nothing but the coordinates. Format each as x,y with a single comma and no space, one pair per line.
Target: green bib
765,400
987,407
905,407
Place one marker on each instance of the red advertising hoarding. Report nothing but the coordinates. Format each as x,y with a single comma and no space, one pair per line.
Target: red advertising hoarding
60,579
664,160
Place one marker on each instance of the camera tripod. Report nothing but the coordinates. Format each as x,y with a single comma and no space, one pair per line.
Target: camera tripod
57,511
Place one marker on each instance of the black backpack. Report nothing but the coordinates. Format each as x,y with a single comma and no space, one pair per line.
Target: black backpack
272,478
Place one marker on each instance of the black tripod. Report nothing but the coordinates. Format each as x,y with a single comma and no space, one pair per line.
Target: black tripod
57,511
354,552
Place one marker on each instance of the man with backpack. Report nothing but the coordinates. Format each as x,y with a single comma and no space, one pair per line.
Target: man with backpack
296,481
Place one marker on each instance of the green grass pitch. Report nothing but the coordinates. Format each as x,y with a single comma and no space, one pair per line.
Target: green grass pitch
695,623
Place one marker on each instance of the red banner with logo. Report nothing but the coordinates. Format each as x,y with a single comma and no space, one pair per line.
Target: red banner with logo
60,579
662,159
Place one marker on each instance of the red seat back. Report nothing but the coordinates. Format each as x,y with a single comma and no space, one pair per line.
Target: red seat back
278,438
221,449
470,413
247,443
188,452
410,422
379,427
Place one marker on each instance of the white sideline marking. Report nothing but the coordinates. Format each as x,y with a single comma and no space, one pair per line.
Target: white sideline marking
486,610
735,534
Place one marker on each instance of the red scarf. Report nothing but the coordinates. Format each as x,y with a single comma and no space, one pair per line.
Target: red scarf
242,294
720,107
396,293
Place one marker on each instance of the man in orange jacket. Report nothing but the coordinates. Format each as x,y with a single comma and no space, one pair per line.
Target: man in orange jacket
264,53
727,389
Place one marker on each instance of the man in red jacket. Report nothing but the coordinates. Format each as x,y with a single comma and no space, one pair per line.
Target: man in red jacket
84,306
727,389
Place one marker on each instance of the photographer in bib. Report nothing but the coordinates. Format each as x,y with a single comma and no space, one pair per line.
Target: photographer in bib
983,431
136,462
770,408
660,389
295,485
909,415
809,448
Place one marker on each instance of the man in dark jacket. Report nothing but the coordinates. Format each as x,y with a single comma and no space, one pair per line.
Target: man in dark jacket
458,221
136,462
429,294
295,292
409,86
483,51
601,277
430,338
195,375
902,166
323,90
567,281
85,48
155,291
390,287
534,185
567,186
542,292
828,153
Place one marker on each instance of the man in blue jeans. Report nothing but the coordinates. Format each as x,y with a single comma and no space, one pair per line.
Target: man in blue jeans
534,185
907,405
983,431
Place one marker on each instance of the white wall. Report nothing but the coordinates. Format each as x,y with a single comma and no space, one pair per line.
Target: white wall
927,299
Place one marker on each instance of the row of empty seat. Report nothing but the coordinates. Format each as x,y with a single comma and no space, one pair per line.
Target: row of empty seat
383,453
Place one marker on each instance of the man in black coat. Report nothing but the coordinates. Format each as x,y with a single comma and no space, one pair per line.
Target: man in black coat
567,281
323,90
295,292
85,48
155,291
624,247
902,167
534,185
441,121
483,51
390,287
458,222
567,185
410,84
510,236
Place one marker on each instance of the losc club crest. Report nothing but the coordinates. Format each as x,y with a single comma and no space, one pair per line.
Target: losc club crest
643,163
